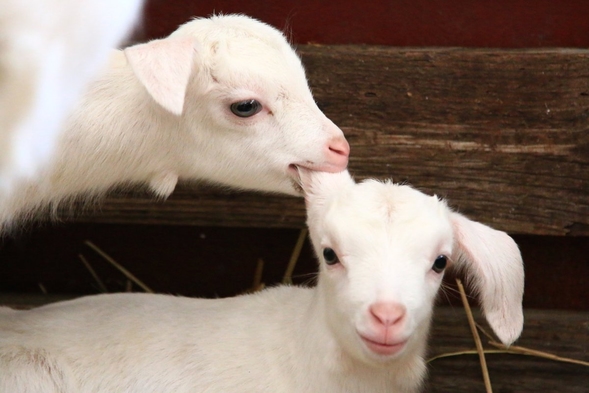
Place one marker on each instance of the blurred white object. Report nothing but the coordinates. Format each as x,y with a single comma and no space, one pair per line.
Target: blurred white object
49,50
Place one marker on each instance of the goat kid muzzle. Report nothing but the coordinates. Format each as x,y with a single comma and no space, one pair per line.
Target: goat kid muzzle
384,331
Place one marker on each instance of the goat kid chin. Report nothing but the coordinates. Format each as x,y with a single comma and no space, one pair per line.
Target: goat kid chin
382,250
222,99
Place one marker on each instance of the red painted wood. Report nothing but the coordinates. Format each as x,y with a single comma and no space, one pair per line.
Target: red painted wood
468,23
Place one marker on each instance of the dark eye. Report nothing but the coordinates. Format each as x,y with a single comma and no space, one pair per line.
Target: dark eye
330,256
440,264
246,108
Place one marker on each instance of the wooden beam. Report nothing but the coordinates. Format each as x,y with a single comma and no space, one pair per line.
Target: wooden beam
503,134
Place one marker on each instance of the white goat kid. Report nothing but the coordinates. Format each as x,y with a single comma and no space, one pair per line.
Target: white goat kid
49,50
223,99
382,249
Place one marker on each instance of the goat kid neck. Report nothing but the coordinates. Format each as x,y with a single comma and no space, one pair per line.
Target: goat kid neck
122,136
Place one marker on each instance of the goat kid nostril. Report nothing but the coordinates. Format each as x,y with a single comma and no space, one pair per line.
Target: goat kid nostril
337,154
339,146
388,313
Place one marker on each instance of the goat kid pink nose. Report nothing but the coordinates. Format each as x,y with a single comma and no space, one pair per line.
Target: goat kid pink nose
338,151
387,314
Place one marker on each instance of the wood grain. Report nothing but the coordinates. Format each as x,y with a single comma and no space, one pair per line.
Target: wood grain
503,134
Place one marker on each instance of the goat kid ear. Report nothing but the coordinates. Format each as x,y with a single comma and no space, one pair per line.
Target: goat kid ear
164,67
495,269
320,185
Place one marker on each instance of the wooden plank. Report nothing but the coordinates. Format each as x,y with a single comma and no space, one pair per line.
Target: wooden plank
562,333
504,134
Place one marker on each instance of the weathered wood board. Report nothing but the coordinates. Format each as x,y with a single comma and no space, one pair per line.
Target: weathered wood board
504,134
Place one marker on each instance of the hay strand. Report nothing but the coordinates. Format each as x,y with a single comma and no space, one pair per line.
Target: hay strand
517,350
99,282
461,353
294,257
257,284
110,260
512,350
477,339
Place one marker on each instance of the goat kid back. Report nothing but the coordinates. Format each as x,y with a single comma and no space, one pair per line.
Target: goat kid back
222,99
382,249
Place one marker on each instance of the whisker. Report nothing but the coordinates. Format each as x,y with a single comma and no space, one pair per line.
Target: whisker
309,278
447,287
444,291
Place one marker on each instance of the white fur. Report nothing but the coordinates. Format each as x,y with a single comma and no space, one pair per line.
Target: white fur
49,50
284,339
162,113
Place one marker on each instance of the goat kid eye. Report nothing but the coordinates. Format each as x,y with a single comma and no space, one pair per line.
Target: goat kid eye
440,264
246,108
330,256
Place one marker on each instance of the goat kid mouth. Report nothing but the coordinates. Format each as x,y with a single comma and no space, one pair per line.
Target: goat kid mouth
385,349
293,170
311,166
295,179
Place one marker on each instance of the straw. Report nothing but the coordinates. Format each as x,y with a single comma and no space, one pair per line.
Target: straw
477,339
110,260
296,252
99,282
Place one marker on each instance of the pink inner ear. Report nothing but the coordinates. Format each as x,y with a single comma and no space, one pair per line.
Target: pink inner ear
164,67
494,265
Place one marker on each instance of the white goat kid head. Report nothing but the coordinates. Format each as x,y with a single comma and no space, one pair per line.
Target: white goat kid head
385,248
246,83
